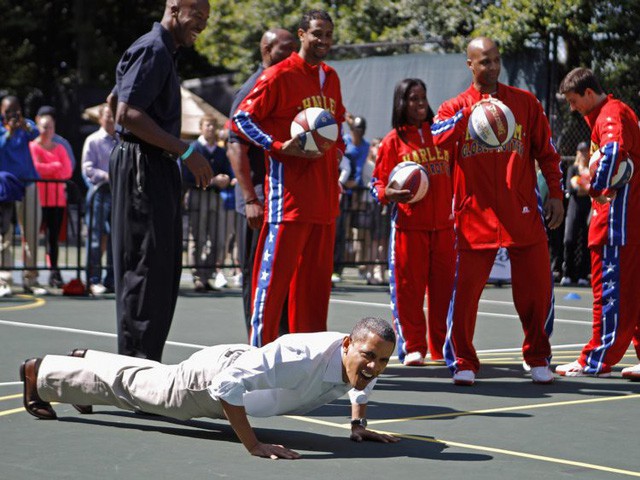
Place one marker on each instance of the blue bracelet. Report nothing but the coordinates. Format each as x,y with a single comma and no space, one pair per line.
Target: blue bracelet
187,152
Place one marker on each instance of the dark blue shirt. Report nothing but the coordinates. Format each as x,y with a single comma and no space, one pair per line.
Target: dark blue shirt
217,158
15,156
147,79
255,153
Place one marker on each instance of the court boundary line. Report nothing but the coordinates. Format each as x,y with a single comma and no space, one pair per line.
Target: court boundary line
482,448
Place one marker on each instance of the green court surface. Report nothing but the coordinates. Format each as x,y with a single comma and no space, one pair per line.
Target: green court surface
504,427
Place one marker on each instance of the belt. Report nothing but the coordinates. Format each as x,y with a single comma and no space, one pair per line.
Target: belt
130,138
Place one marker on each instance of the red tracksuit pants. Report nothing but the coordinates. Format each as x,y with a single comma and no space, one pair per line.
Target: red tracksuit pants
532,297
615,279
421,261
294,258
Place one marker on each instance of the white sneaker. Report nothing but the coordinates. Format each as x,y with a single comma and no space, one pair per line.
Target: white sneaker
574,369
236,280
335,278
36,290
97,289
526,367
220,282
413,359
541,375
632,373
583,282
565,281
5,291
464,377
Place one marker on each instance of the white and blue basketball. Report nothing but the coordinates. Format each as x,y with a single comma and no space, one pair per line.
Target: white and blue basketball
316,128
621,176
410,176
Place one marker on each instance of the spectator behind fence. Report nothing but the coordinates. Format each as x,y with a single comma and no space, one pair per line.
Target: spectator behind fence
95,169
577,264
15,158
205,231
52,163
57,138
351,165
374,223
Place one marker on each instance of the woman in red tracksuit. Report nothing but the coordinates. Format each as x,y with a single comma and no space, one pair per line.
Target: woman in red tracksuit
421,247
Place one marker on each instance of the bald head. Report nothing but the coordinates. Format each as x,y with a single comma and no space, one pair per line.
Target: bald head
185,19
483,59
276,45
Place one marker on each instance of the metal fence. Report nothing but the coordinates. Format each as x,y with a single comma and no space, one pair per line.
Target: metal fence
26,245
210,233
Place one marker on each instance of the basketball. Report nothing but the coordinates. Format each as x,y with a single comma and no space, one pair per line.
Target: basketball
492,123
316,128
410,176
620,177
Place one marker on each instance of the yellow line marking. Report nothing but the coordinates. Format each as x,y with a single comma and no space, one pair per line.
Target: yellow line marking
15,410
36,302
11,397
506,409
482,448
19,409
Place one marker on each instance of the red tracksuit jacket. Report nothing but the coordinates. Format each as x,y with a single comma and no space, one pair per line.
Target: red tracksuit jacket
296,189
614,126
431,147
496,202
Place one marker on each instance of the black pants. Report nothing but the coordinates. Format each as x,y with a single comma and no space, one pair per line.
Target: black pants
147,246
247,245
52,220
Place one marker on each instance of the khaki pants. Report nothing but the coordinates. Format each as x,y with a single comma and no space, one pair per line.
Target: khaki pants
177,391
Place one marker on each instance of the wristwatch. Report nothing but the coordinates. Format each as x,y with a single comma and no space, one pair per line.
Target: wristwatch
362,422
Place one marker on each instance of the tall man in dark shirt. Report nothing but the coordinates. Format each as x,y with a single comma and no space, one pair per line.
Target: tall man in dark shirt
146,218
247,161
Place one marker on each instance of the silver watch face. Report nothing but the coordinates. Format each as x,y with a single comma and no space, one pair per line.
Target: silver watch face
359,421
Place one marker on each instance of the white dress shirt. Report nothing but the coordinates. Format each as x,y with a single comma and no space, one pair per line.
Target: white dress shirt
292,375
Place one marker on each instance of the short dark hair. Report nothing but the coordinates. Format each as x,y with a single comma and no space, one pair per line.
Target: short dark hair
305,21
578,80
374,325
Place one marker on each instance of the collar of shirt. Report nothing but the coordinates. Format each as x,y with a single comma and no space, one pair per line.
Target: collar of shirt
104,134
205,144
592,116
166,37
333,374
477,95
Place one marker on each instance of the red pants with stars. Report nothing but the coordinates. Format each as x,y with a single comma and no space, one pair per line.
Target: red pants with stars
615,279
421,261
294,258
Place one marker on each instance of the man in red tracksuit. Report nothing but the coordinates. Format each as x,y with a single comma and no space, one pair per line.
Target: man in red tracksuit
295,249
614,229
497,204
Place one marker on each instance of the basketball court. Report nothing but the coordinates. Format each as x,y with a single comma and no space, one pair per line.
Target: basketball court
502,427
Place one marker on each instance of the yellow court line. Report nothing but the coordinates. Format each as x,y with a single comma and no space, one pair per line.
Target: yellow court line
506,409
37,302
15,410
11,397
482,448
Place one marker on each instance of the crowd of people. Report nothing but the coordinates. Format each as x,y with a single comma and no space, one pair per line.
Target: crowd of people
480,200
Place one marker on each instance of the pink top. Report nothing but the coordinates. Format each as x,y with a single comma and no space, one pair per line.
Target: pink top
51,165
